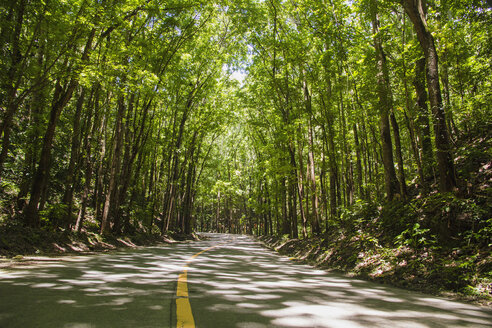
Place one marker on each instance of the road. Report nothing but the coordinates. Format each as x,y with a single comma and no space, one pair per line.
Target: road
225,281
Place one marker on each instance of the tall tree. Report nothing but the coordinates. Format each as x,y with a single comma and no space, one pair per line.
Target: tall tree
416,11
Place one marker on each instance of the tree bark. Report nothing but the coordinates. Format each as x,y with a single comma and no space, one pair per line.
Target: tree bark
399,156
60,99
415,10
115,168
358,163
300,190
74,159
314,192
385,104
423,124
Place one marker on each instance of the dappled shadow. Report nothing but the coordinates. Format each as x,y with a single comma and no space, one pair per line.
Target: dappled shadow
239,284
124,289
254,287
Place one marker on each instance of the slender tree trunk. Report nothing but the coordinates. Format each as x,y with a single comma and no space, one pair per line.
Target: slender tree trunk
415,10
358,163
60,99
99,179
74,158
314,193
106,218
322,180
286,227
217,214
293,192
34,134
300,191
333,173
408,108
87,162
423,124
385,104
399,156
40,180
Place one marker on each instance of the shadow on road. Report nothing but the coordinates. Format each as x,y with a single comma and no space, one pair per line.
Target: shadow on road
239,284
124,289
254,287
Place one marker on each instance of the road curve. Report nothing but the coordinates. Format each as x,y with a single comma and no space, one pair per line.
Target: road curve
237,283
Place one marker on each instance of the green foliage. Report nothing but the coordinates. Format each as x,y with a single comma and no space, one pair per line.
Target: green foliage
362,215
415,237
9,187
480,234
55,216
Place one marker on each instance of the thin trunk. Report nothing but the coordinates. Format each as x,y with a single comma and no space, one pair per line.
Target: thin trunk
416,12
358,163
107,217
293,192
87,164
61,97
314,193
99,179
286,227
399,156
300,191
74,158
408,108
423,124
385,104
34,135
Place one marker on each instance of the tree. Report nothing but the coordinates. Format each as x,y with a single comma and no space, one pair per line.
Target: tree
416,11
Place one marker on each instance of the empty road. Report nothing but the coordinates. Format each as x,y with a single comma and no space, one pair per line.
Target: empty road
224,281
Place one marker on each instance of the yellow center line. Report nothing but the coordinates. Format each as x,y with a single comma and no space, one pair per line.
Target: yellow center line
184,314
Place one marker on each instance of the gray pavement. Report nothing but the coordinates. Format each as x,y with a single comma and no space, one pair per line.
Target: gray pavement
238,284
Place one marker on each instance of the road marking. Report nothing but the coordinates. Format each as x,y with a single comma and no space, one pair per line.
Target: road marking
184,315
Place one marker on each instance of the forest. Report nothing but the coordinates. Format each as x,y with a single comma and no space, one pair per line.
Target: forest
358,127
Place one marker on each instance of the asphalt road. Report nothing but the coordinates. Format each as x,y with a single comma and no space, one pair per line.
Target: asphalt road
237,283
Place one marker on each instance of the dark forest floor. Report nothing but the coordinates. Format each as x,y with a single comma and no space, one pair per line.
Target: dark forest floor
18,241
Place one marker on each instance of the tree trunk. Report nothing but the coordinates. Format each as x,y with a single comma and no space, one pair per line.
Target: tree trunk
415,10
399,157
385,104
74,158
60,99
314,193
286,227
300,191
408,108
114,169
87,162
34,133
358,163
423,124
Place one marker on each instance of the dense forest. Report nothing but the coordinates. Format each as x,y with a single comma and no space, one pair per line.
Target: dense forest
365,119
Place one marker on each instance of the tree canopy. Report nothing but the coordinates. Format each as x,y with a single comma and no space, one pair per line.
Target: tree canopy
248,116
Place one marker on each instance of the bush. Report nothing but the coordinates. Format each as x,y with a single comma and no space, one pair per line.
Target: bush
396,217
415,237
55,217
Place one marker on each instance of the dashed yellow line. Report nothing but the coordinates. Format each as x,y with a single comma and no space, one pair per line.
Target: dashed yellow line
184,315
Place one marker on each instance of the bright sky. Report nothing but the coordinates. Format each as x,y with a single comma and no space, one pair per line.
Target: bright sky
239,76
